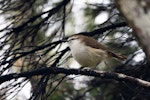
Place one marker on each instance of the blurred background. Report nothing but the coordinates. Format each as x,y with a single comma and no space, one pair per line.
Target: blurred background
29,30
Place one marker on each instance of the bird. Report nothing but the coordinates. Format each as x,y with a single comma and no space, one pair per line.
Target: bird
88,52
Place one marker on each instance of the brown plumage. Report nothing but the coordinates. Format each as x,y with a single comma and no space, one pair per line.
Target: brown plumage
89,52
97,45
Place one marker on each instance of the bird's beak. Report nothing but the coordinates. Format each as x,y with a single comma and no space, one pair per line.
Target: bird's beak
65,39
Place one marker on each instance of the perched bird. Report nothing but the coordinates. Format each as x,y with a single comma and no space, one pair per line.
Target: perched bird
88,52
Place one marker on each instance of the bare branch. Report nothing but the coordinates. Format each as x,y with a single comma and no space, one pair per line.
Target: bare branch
104,29
100,74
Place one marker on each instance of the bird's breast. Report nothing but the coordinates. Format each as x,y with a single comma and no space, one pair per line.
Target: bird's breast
87,56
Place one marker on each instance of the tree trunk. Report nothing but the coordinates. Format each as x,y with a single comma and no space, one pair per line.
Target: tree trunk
137,14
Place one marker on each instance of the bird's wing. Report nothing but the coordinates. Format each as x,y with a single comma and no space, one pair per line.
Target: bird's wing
94,43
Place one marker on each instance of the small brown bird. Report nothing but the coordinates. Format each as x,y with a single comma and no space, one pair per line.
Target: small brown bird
88,52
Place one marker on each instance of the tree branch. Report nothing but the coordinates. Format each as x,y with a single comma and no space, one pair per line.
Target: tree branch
50,13
100,74
94,32
104,29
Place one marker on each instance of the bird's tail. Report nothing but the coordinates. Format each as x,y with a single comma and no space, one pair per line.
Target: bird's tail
120,57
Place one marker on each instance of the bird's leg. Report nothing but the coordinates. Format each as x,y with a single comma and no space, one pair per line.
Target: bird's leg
107,65
94,68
